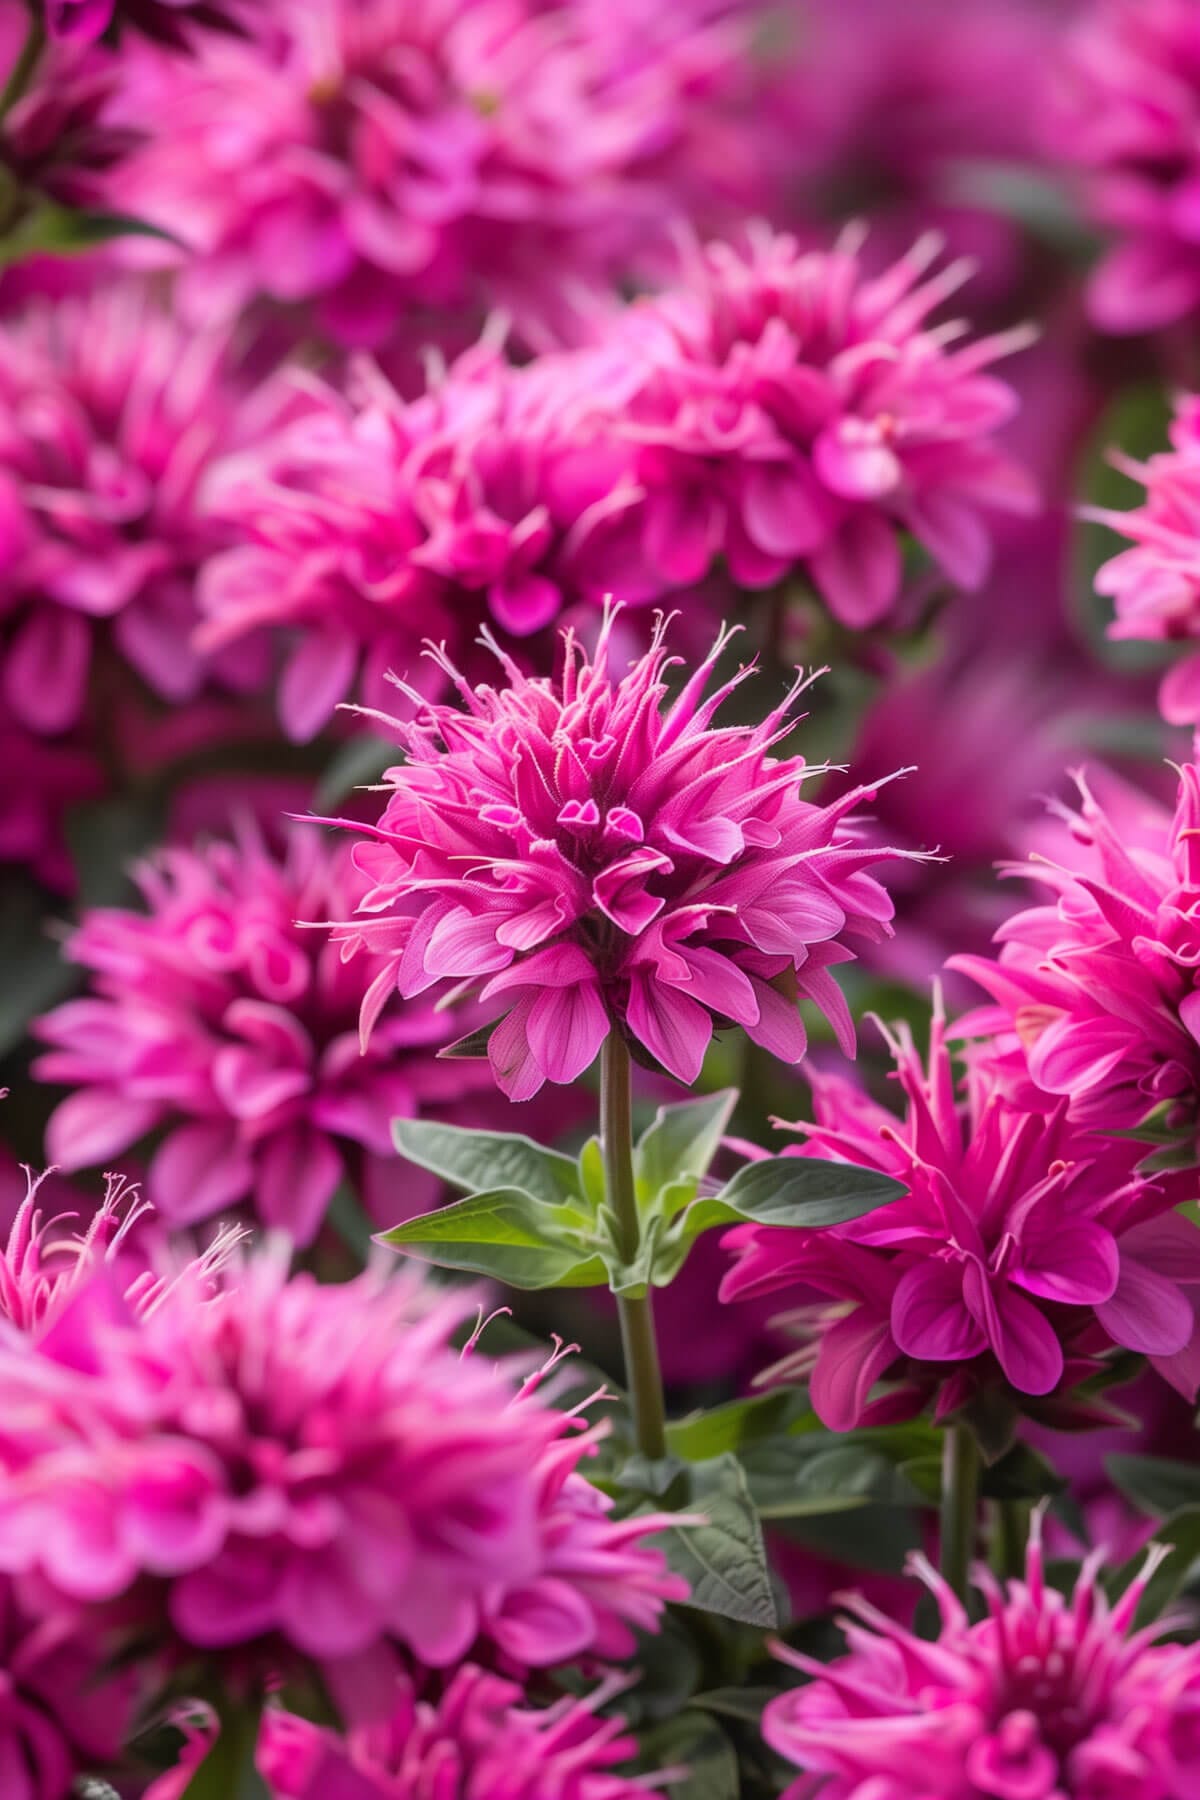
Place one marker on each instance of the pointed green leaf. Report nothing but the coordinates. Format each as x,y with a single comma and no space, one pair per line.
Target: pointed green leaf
696,1743
794,1191
1156,1484
723,1561
591,1173
741,1422
477,1161
681,1141
505,1234
795,1478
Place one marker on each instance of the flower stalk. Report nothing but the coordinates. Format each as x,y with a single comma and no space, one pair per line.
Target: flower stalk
643,1377
960,1507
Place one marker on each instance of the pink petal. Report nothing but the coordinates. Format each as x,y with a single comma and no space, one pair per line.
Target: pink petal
675,1030
854,1354
783,510
1074,1261
94,1124
46,669
298,1171
523,604
930,1320
1148,1312
319,675
513,1063
1179,693
1022,1339
565,1028
858,570
199,1170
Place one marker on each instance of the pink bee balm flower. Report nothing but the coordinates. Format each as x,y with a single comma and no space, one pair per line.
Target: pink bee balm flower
109,414
43,1262
1050,1697
306,1466
393,155
597,858
59,1718
798,415
1127,117
1099,985
1156,584
478,1740
219,1019
1022,1245
365,525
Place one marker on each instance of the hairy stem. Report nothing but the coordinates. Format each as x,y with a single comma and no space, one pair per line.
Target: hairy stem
642,1375
960,1508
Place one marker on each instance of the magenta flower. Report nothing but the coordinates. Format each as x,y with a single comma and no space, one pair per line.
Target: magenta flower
219,1019
416,155
44,1261
59,1718
1098,987
1126,117
365,525
596,857
1050,1697
1023,1246
311,1466
798,415
1156,585
478,1740
44,781
481,1728
109,414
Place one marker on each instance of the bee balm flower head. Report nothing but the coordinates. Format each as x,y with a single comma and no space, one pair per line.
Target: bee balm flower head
598,857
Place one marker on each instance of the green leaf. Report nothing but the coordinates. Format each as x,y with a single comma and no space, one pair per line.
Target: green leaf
795,1478
357,763
505,1234
794,1191
723,1561
591,1173
681,1141
48,228
743,1703
741,1422
1156,1484
480,1160
471,1047
1022,1474
696,1743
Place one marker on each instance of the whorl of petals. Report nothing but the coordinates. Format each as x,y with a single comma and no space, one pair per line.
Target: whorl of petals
217,1017
1155,585
109,415
593,855
365,524
799,414
1023,1248
1098,987
271,1460
1050,1697
1126,116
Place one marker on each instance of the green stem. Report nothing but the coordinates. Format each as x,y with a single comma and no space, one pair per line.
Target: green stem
642,1375
1011,1518
960,1507
27,61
